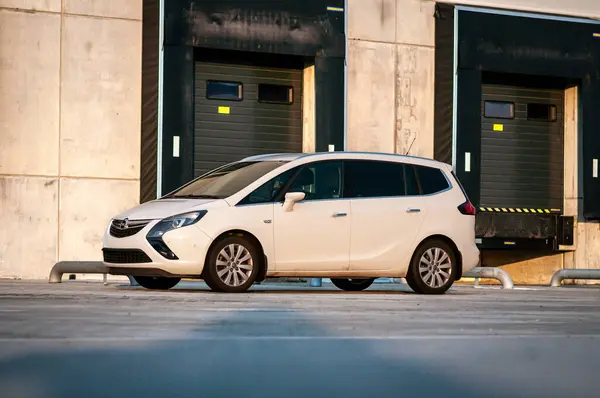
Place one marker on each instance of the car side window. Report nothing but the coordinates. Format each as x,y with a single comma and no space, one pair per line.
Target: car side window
319,181
432,180
269,191
372,179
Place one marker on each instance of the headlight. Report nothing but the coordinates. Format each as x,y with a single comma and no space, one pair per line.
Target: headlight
175,222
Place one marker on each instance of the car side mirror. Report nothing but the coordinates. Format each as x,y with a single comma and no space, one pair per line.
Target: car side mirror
290,200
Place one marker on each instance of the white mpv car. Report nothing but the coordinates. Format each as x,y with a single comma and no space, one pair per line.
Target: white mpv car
350,217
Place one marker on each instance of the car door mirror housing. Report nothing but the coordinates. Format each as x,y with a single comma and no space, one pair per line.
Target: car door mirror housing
291,198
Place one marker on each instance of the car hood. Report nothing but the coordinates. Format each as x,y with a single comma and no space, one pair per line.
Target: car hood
159,209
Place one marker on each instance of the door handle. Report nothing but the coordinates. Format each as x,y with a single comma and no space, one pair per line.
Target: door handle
413,210
339,215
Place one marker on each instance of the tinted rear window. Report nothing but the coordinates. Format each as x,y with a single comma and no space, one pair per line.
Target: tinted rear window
364,178
432,180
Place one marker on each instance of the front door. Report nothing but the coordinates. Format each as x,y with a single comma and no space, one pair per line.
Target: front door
315,235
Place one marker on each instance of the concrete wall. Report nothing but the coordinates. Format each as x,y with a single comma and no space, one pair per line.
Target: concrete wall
70,74
390,106
391,76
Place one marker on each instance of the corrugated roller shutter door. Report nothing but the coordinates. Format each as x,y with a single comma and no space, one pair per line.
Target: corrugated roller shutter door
522,161
227,131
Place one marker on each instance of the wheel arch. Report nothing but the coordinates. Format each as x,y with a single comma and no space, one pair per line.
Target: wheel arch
458,268
262,273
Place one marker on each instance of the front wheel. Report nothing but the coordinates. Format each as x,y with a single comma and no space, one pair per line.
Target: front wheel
233,265
156,282
432,268
353,285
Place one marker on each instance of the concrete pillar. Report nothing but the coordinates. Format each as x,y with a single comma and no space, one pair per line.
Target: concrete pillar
308,110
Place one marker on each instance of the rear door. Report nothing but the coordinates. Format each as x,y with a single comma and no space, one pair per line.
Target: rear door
387,213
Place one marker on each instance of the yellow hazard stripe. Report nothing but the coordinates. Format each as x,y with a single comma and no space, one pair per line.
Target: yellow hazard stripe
518,210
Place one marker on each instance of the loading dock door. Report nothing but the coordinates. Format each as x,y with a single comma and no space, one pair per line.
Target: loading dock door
522,151
243,110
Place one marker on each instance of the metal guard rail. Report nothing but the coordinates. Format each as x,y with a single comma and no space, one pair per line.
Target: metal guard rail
570,273
80,267
491,273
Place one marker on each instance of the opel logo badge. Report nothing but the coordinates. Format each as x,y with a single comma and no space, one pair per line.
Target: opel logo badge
122,224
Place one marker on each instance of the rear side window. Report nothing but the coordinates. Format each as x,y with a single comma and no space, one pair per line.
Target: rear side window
372,179
432,180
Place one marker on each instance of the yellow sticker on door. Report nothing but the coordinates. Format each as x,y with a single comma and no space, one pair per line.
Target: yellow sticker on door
224,110
498,127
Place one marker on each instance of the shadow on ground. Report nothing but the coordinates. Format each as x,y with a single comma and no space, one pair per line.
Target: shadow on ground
225,365
279,288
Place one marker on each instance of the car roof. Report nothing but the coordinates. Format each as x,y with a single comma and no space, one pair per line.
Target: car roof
289,157
274,157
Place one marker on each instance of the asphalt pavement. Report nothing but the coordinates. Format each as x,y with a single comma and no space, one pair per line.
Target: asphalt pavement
83,339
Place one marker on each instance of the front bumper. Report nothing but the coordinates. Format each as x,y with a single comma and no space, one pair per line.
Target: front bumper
133,255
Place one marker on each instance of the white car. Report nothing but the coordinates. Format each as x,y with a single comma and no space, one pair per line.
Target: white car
350,217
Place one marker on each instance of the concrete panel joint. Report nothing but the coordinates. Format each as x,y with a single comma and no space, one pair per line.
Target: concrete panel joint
81,267
559,276
491,273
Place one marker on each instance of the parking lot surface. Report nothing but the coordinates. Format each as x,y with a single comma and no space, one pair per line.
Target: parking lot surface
79,339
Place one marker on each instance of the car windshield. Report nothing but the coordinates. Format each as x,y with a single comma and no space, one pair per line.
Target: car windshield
226,181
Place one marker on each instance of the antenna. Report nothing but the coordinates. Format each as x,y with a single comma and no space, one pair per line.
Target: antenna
411,144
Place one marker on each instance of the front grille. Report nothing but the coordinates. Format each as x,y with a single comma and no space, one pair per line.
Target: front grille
125,256
125,228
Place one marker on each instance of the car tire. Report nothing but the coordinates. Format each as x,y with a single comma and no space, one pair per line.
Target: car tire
352,285
156,283
432,268
211,285
232,266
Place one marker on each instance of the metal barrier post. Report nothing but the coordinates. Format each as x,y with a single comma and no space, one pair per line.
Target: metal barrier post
560,275
491,273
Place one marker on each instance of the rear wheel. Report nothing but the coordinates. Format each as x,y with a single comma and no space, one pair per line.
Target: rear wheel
156,282
432,268
233,265
353,285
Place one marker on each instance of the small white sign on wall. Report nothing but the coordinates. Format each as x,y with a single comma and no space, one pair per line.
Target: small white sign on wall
467,161
176,146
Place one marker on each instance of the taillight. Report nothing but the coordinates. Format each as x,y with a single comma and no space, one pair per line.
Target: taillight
467,208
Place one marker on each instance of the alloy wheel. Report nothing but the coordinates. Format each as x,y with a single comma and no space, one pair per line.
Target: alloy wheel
234,265
435,267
